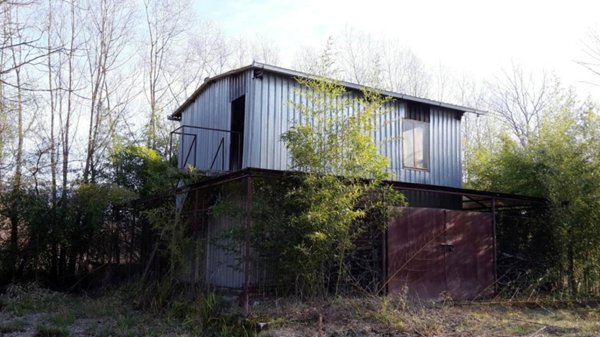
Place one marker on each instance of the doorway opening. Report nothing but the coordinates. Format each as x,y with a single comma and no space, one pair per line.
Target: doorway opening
236,144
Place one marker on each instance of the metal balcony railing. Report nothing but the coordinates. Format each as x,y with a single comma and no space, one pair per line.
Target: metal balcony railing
188,146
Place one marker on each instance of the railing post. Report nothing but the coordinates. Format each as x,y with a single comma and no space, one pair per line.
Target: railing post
195,145
186,155
182,146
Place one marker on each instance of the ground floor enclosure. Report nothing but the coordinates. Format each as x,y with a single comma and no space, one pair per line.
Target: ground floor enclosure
447,249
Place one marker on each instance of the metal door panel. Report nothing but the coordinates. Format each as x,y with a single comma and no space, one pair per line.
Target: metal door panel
436,252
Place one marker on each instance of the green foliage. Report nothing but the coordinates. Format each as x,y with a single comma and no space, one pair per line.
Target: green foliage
60,236
51,331
92,200
30,210
307,224
174,240
142,170
82,232
561,164
190,308
331,140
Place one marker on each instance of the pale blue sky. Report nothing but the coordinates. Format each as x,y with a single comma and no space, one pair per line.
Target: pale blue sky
477,37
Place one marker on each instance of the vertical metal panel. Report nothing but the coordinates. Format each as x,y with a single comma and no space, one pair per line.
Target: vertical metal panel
269,114
445,164
435,251
470,261
415,260
273,114
223,255
212,109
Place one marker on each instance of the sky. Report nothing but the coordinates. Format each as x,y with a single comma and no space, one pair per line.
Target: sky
478,38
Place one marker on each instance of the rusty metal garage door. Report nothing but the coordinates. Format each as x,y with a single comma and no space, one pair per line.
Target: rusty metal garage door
437,252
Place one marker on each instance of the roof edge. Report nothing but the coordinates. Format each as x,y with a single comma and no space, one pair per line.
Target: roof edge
176,115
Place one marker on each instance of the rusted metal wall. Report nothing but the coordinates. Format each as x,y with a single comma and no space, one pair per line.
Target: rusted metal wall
433,253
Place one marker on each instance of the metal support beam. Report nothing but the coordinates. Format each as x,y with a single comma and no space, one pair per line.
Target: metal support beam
495,246
247,257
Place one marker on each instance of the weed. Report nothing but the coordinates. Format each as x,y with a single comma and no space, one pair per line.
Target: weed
62,317
211,315
51,331
520,330
12,326
26,298
389,315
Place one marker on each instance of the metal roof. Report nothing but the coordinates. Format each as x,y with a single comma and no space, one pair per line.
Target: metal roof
176,115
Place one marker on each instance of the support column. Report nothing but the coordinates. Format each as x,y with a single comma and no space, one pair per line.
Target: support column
495,247
247,233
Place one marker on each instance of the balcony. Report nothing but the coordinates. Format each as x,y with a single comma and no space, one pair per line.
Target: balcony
212,150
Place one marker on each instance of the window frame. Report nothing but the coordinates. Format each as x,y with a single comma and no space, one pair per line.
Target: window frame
426,141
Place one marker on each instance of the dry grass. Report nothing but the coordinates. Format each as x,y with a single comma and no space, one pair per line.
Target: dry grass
28,310
37,312
393,317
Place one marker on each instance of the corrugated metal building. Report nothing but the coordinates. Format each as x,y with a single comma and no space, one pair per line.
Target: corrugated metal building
235,120
247,110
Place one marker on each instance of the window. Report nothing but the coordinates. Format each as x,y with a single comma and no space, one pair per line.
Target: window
415,144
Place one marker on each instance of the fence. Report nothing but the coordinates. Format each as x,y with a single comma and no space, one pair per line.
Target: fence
216,217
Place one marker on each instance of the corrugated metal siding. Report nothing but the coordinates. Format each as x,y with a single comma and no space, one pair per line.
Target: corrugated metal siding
445,166
436,251
225,255
224,259
271,115
212,109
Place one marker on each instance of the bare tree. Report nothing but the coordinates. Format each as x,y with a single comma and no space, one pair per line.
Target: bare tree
360,58
52,92
28,42
304,59
404,72
106,38
165,23
66,118
210,50
444,86
18,49
591,48
321,62
15,55
263,49
363,59
519,99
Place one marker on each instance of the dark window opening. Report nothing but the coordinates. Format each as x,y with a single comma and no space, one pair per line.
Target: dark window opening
236,145
417,111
